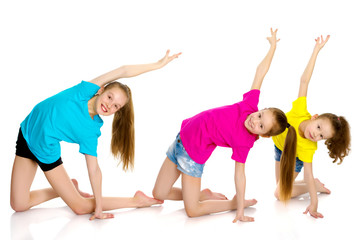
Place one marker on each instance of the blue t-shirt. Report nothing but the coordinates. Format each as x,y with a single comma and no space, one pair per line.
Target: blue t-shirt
63,117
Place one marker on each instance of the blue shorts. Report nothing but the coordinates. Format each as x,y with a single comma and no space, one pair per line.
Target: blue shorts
299,164
178,155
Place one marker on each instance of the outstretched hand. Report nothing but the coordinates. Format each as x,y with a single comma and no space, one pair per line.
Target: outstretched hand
165,60
101,215
272,40
313,212
320,42
243,218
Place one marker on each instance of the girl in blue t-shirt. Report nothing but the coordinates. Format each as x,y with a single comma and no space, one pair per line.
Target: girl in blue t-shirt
73,115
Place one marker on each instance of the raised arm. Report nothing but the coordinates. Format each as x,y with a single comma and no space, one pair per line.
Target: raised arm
128,71
305,78
264,66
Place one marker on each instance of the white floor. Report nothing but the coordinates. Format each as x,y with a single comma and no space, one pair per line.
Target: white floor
47,47
273,220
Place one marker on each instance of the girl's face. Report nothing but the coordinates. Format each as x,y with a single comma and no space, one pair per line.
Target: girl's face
260,122
318,129
110,101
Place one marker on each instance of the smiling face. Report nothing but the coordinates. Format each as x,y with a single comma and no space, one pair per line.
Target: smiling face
110,101
260,122
318,129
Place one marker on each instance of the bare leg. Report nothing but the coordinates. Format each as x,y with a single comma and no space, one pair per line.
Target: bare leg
83,194
168,175
63,186
194,207
299,187
22,199
23,173
166,178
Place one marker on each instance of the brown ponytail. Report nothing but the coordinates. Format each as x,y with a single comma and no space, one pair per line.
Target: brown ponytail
287,165
123,130
288,156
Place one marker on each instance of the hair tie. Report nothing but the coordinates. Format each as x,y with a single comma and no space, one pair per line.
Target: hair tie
288,125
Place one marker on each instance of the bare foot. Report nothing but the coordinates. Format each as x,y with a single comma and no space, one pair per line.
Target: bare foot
251,202
207,194
247,203
141,200
83,194
320,187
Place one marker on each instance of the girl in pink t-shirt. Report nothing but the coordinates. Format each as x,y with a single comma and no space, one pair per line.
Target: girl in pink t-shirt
236,126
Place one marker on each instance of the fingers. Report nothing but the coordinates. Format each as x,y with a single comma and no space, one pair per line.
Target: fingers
314,214
273,36
306,211
244,219
103,216
322,42
175,55
273,31
168,58
327,38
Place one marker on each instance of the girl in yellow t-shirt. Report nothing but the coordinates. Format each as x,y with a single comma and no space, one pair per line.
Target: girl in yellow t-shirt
309,130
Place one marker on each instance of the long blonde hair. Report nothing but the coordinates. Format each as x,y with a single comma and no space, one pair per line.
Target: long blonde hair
123,130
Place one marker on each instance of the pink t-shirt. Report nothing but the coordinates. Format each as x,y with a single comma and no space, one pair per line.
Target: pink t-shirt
222,126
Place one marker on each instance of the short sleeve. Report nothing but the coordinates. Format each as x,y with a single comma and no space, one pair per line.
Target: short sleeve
300,106
306,156
87,90
89,146
251,98
240,154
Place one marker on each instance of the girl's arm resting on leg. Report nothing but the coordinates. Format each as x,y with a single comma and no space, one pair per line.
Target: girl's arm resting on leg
309,179
264,65
306,76
95,177
128,71
240,183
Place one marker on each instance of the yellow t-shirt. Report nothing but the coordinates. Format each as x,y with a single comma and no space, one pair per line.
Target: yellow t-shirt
305,148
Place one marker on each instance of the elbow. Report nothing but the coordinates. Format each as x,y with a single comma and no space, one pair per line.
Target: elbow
124,71
304,81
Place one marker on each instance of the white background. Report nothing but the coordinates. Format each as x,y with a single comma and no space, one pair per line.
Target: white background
47,46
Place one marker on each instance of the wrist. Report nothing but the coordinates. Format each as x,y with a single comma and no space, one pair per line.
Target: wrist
316,51
273,46
157,65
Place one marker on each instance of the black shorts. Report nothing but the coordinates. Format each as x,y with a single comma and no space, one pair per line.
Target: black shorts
22,150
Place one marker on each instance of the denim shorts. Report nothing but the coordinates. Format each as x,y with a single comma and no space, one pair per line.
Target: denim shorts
178,155
299,164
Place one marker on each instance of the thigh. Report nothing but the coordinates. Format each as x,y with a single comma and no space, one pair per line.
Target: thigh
22,176
167,176
63,186
191,187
